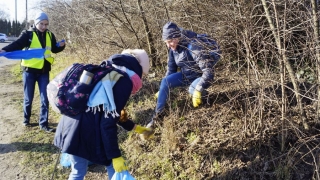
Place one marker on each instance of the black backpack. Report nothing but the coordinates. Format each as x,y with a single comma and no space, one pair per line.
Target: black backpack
208,45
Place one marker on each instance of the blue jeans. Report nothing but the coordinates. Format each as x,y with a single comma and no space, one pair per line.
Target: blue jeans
79,167
172,81
29,83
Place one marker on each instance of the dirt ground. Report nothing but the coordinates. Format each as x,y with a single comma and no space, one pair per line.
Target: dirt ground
10,123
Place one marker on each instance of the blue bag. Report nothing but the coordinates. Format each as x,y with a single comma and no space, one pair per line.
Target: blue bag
64,160
24,54
123,175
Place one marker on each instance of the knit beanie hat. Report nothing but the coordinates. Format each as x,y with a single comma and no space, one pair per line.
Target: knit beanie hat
40,17
170,30
128,61
142,57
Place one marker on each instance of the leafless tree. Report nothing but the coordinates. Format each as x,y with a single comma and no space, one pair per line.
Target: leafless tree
3,14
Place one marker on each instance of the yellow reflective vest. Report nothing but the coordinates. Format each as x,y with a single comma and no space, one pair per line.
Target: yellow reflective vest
38,63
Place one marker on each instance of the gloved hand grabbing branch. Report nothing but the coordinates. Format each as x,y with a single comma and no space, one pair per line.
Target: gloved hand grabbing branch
119,164
140,129
145,132
196,98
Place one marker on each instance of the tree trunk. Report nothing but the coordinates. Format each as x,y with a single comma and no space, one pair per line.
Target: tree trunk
152,50
281,51
315,25
283,106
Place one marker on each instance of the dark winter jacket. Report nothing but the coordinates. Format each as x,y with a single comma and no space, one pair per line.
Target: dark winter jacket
192,62
93,136
24,41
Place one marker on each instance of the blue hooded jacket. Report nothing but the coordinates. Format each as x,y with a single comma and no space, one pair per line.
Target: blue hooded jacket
193,63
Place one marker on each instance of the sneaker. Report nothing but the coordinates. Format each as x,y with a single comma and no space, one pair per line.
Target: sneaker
156,118
151,124
26,124
147,135
47,129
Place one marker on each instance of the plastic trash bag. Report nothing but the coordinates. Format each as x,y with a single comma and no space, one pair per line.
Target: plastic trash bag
22,54
65,160
58,43
123,175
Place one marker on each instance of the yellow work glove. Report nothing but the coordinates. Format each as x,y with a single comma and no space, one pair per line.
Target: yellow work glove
119,164
145,132
140,129
196,98
156,95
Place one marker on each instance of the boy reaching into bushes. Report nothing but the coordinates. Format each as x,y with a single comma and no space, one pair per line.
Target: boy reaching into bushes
195,56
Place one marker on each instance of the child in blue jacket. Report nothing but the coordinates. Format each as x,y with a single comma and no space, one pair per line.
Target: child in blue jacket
189,64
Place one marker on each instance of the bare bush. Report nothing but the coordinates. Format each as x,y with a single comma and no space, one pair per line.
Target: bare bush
257,114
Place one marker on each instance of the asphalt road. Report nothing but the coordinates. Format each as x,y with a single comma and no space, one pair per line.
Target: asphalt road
4,61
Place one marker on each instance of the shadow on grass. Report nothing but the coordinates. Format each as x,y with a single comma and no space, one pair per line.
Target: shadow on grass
27,146
32,140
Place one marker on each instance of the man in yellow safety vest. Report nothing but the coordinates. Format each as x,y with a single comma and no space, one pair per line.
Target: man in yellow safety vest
36,69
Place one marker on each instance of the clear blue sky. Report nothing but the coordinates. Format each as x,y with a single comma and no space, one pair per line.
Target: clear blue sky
8,6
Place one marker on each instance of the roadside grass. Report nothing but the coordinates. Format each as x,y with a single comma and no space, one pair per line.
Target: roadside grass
16,72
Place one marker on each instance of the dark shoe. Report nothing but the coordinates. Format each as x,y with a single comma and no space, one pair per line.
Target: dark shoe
26,124
47,129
